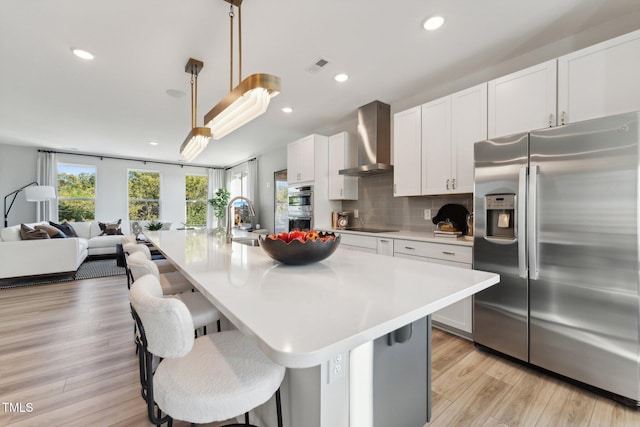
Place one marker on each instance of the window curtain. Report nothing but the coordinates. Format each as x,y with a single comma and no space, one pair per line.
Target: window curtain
47,174
252,188
216,180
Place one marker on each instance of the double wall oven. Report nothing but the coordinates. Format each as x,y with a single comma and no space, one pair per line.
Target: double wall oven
301,208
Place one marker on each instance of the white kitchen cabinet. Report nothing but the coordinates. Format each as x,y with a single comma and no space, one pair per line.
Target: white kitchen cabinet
300,160
459,315
343,154
366,243
359,242
407,152
600,80
384,246
450,127
308,164
436,146
523,101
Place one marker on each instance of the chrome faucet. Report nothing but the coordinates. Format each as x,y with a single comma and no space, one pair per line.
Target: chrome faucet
252,212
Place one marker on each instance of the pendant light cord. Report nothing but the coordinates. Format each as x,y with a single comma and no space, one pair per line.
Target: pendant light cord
194,105
240,43
231,16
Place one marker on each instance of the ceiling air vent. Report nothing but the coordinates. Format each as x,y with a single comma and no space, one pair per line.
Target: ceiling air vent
317,66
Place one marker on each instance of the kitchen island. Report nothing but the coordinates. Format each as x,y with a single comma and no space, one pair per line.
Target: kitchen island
311,318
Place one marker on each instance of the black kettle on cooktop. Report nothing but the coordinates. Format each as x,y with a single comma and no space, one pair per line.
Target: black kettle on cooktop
455,213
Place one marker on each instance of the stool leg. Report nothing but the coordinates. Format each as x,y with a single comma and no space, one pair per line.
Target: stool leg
279,408
246,418
218,323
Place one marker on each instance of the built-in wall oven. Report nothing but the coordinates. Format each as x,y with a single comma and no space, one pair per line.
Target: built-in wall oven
301,208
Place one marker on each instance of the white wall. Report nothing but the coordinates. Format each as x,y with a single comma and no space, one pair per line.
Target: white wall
18,167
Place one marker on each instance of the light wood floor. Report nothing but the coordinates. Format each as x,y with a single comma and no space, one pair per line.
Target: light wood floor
66,350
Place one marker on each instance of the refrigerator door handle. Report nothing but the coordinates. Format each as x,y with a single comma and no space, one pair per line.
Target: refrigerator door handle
533,222
521,230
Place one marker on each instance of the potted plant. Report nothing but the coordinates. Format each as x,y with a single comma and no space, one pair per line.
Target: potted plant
219,204
154,226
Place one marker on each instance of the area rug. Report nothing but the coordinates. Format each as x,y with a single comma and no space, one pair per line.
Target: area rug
90,269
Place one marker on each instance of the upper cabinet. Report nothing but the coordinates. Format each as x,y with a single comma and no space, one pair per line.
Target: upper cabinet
300,160
523,101
308,164
343,154
600,80
450,127
407,144
433,144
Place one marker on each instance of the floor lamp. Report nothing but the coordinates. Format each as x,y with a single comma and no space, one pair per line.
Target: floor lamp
33,192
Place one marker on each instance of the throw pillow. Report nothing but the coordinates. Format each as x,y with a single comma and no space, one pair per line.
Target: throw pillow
53,232
66,228
28,233
110,228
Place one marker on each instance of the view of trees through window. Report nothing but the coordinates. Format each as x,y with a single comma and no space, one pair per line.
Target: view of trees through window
76,192
144,195
196,187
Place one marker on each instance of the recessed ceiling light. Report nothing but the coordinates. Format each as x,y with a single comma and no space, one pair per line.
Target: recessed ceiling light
82,54
287,110
342,77
153,142
433,23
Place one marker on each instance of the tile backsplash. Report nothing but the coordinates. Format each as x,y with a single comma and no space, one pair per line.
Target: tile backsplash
378,207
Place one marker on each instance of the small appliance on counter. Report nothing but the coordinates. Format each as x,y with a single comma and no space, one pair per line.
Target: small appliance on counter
343,220
451,221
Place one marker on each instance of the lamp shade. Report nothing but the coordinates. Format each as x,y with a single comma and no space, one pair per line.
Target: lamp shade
39,193
247,101
195,142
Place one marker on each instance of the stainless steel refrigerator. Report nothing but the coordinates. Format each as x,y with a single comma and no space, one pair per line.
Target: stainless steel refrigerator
556,215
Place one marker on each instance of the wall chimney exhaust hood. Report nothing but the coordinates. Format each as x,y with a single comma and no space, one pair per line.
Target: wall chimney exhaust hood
374,141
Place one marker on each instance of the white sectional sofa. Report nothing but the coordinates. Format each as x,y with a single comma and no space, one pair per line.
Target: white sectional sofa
50,256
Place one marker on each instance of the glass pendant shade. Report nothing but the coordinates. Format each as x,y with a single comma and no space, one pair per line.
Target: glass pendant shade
247,101
198,137
195,142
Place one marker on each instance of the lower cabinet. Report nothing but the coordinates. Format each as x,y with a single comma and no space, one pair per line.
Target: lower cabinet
370,244
456,318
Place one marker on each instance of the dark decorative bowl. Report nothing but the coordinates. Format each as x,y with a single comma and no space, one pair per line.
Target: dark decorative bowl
297,252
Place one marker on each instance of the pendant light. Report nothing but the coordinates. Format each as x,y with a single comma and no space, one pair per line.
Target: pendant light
198,138
246,101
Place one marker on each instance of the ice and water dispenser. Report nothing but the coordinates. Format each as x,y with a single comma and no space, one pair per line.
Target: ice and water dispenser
501,216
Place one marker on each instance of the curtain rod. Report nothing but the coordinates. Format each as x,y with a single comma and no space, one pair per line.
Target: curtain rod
101,157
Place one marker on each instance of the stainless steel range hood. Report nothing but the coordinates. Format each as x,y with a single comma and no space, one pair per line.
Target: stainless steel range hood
374,141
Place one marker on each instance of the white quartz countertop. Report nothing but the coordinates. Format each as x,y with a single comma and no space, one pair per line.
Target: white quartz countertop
301,316
420,236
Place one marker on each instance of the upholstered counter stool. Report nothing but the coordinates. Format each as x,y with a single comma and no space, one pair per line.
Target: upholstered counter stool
175,285
164,265
172,282
199,380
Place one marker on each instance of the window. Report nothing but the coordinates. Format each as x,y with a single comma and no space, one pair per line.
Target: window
76,192
238,186
196,187
144,195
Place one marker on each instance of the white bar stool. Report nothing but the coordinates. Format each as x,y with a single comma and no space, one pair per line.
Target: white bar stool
199,380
